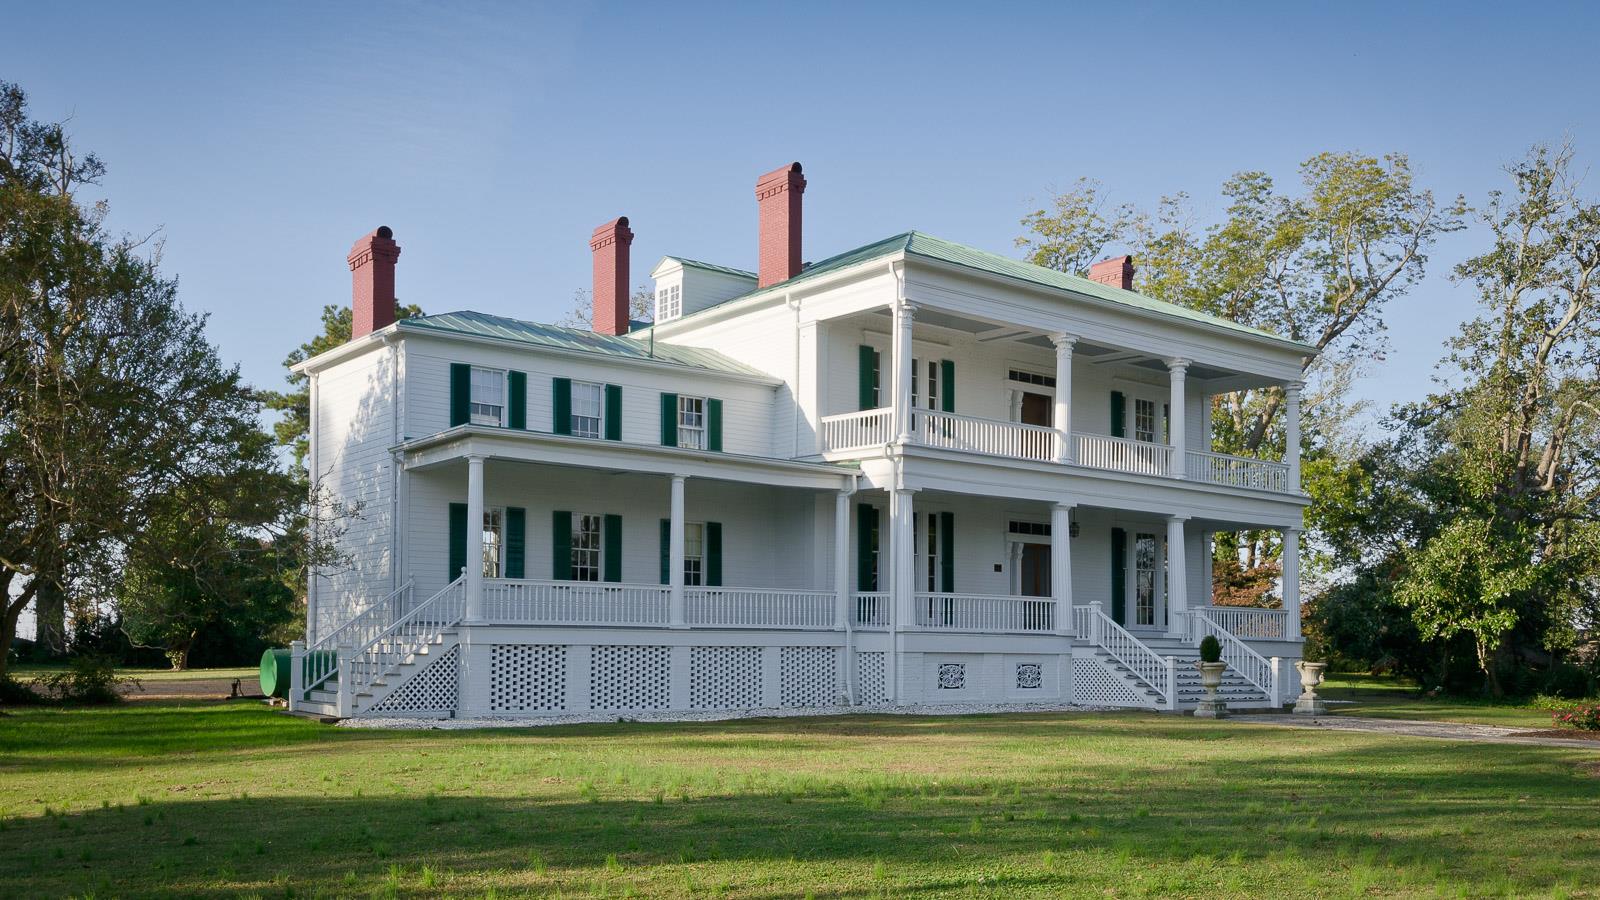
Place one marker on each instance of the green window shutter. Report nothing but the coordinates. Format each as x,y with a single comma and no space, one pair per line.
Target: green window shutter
947,552
1119,574
669,420
460,394
561,406
713,551
458,539
611,536
1119,417
517,389
714,425
867,391
666,551
561,545
516,542
866,542
613,412
947,386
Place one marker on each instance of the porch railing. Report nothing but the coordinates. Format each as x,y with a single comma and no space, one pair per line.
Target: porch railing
992,437
761,608
1102,451
1237,471
321,659
857,430
871,609
401,640
984,612
508,601
1251,622
1156,671
1254,667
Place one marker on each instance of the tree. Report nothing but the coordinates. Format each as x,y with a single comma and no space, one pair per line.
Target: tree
641,308
293,430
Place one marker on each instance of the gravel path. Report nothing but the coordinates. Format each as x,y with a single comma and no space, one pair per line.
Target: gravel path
963,709
1452,731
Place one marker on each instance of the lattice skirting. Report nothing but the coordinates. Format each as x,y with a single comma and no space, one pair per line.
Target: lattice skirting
872,678
724,677
1095,685
626,677
434,689
809,676
527,678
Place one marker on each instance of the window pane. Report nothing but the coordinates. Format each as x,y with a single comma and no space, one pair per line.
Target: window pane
488,396
1144,420
585,547
692,422
588,408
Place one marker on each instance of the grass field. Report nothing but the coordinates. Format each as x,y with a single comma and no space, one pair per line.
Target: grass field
202,798
1391,698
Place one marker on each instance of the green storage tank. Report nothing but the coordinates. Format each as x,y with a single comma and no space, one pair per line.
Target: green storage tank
275,673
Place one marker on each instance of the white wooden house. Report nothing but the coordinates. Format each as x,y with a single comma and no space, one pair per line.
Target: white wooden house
912,472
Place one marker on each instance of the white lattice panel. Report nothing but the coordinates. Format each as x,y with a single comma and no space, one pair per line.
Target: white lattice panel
809,676
625,677
724,677
872,682
433,689
1094,684
527,678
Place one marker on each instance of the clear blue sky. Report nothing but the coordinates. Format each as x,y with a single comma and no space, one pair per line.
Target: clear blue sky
262,139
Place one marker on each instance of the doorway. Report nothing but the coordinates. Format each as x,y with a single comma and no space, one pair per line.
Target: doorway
1034,571
1037,409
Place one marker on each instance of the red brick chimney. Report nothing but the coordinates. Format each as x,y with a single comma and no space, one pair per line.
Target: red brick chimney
778,199
1116,271
372,262
610,245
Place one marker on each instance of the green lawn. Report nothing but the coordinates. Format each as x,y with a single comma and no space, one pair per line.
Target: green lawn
216,798
1394,698
30,671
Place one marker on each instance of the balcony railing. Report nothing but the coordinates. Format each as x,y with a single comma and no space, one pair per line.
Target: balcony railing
991,437
1102,451
1251,622
1237,471
857,430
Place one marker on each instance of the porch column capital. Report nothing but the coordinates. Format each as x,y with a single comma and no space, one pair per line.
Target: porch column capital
1063,341
904,307
1292,389
1178,518
1178,366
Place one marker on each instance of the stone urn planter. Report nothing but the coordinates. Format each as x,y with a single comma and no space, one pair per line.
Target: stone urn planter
1309,703
1211,668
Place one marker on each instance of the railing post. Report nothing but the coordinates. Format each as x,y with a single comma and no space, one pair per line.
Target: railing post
1172,683
1095,617
1277,693
346,693
297,673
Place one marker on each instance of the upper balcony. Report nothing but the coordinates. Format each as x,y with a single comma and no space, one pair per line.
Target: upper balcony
858,434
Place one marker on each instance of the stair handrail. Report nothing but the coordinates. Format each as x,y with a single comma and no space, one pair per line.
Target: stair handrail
1239,656
321,658
406,636
1150,667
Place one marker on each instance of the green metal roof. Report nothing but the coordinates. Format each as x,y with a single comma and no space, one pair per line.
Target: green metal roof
712,267
915,243
561,338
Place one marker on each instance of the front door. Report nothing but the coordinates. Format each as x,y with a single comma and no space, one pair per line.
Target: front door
1035,570
1037,409
1146,607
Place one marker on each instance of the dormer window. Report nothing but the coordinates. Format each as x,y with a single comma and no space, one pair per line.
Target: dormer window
669,302
488,396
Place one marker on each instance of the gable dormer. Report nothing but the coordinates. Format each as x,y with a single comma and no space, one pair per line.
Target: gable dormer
685,286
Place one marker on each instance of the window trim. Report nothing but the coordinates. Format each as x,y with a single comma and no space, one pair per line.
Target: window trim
694,437
473,416
699,560
490,514
599,418
669,302
599,547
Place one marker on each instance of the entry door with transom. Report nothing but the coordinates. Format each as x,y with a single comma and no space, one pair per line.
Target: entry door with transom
1146,606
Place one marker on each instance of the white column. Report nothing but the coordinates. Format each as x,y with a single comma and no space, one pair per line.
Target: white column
1061,563
1178,436
1062,416
901,351
675,556
1291,433
474,580
1291,581
841,560
902,565
1177,578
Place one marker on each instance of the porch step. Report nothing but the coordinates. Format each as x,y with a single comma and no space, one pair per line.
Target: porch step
1234,690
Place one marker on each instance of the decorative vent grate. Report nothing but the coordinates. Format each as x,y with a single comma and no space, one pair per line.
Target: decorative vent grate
1030,676
528,678
809,676
724,677
433,689
1092,683
625,677
872,682
952,676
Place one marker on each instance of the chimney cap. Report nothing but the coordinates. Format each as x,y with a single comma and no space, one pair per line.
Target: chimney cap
385,232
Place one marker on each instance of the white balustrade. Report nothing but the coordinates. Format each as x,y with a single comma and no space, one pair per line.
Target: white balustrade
321,659
1092,624
508,601
856,431
1102,451
404,638
984,612
991,437
871,609
1255,668
1250,621
1237,471
760,608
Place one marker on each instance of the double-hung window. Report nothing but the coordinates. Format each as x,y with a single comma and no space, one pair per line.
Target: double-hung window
493,542
692,422
586,546
694,554
488,401
669,303
1144,420
588,409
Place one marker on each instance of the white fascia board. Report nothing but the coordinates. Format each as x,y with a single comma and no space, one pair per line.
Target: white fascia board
592,453
347,350
666,266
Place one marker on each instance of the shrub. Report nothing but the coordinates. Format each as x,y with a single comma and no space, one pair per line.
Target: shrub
1210,649
1584,717
88,679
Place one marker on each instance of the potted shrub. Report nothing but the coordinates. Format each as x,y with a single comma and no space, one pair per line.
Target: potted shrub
1211,668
